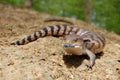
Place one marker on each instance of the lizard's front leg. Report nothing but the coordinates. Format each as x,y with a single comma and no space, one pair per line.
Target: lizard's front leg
92,57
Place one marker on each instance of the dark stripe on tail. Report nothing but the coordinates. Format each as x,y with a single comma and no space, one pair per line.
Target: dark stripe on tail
40,33
23,41
52,30
29,38
59,27
18,42
35,36
46,31
65,28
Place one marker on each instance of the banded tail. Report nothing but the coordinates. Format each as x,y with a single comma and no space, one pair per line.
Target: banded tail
56,31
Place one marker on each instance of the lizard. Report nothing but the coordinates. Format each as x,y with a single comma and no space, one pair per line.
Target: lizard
92,43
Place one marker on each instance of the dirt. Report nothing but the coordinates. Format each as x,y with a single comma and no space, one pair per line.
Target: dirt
45,58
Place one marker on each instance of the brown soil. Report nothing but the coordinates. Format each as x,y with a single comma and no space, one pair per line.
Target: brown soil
45,58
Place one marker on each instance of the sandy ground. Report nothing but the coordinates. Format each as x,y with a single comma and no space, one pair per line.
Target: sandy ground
45,58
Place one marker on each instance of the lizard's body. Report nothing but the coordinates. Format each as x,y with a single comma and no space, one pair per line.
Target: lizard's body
92,43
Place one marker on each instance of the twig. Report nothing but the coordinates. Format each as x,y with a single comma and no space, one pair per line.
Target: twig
59,20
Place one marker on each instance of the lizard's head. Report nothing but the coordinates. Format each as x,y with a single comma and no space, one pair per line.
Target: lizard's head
73,44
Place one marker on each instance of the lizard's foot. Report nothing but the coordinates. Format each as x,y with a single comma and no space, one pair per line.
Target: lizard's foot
89,66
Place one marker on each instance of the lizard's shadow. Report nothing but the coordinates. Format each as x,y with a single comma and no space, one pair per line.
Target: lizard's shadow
76,61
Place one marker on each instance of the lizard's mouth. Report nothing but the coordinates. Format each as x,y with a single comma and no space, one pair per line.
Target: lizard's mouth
73,49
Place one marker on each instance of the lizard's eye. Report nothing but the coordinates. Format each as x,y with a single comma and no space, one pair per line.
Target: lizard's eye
87,40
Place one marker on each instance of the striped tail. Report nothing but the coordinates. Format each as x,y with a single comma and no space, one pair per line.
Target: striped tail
56,30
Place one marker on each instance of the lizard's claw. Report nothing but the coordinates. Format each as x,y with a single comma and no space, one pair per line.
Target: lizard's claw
89,66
